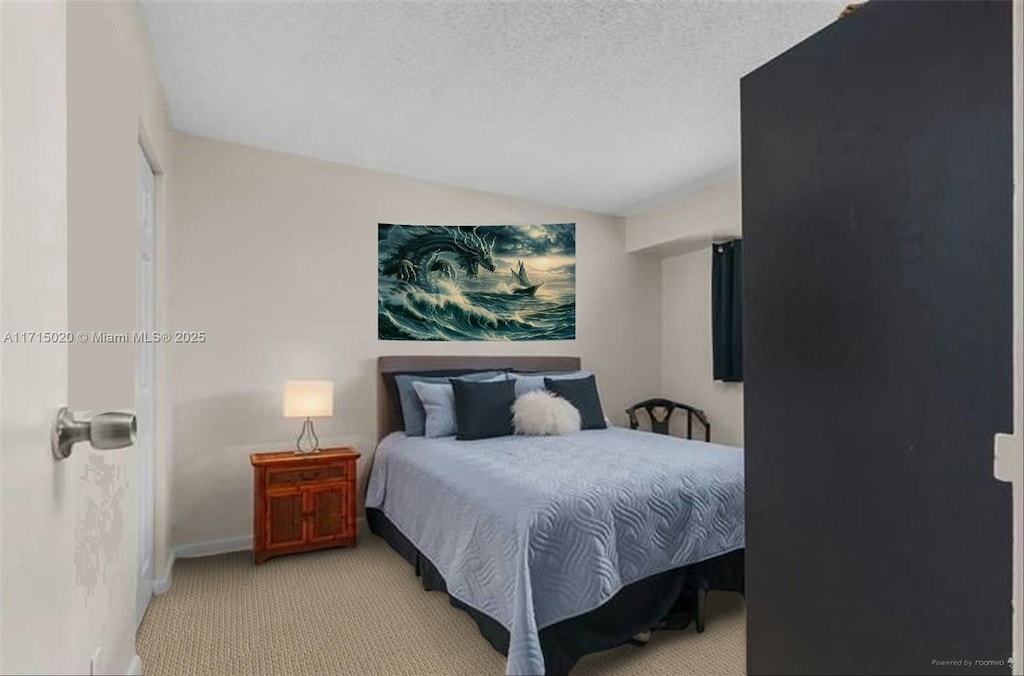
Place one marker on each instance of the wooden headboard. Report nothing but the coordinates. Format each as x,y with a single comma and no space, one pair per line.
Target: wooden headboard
389,419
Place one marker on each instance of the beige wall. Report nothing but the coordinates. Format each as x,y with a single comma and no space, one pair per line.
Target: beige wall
154,132
114,100
688,222
102,128
112,103
680,232
276,259
686,371
102,132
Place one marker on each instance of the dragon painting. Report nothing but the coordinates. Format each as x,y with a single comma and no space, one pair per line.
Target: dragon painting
425,256
448,282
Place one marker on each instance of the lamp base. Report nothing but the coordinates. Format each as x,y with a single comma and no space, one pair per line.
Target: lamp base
308,441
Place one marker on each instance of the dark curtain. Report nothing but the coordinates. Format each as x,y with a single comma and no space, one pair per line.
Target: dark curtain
727,310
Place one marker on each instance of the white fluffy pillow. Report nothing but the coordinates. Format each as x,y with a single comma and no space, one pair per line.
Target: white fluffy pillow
541,413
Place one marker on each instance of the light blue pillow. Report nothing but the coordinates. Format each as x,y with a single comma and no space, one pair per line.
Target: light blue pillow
528,382
438,400
413,415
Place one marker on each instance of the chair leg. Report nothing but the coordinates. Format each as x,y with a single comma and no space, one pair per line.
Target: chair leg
701,598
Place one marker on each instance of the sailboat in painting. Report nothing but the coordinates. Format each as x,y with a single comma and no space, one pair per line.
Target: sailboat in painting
524,285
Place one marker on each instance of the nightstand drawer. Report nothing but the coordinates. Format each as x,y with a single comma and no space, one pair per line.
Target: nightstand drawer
289,477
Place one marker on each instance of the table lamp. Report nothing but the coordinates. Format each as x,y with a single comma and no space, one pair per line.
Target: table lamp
308,399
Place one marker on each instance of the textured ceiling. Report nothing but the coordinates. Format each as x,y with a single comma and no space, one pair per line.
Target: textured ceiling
607,106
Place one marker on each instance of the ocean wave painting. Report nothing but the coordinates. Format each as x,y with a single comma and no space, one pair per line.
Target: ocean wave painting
486,282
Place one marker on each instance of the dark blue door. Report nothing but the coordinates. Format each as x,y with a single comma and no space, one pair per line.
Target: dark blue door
877,225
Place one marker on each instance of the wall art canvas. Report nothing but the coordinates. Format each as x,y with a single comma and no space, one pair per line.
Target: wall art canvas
486,282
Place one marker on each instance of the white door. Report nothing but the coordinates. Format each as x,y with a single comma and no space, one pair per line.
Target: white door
38,598
144,378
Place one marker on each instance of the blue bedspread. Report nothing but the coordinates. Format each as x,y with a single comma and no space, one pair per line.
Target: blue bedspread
535,530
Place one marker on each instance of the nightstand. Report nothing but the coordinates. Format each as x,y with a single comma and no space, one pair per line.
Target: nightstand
303,502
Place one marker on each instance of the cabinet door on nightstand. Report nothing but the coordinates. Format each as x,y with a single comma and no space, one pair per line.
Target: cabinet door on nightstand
285,519
327,505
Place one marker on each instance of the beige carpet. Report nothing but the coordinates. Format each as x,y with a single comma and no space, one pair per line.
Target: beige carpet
363,611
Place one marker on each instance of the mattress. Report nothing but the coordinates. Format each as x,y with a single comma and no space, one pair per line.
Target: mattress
534,530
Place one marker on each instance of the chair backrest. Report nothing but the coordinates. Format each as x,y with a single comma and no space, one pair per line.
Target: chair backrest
660,411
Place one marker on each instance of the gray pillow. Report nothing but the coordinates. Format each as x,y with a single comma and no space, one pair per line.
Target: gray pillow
413,414
528,382
438,401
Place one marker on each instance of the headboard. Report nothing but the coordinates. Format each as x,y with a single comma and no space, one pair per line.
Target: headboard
389,419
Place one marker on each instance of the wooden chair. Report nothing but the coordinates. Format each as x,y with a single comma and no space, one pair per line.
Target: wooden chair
660,412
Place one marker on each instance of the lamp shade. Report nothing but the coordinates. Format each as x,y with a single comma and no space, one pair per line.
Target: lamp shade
308,399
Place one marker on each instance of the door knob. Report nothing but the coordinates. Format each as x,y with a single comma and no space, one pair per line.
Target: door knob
105,431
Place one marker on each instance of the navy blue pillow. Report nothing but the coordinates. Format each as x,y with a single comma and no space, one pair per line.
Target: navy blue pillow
483,410
581,393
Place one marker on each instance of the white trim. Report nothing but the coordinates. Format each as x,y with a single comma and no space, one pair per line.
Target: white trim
211,547
145,382
134,666
141,612
1010,451
208,548
162,584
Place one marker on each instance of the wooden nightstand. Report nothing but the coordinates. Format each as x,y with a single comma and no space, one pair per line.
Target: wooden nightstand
303,502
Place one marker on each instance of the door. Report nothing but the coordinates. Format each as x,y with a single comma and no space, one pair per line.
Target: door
38,598
877,219
327,511
68,224
144,379
286,519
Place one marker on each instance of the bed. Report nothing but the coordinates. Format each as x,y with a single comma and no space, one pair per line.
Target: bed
557,546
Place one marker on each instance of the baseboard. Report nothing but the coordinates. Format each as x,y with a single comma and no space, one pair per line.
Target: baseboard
140,612
134,666
208,548
211,547
162,584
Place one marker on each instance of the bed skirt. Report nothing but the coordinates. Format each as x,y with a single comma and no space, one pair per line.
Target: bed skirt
664,601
